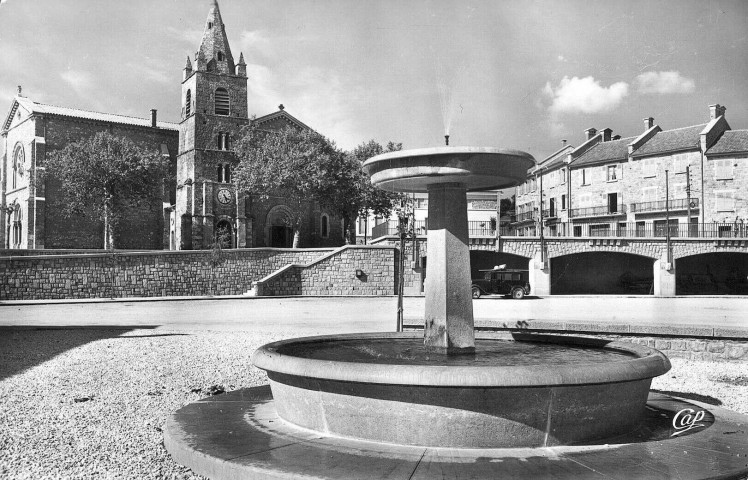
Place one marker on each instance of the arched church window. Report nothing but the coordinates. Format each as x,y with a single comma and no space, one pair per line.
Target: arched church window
222,102
324,226
210,24
220,56
219,173
17,227
227,173
18,159
188,103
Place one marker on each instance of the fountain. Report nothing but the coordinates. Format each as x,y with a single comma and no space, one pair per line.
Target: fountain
411,405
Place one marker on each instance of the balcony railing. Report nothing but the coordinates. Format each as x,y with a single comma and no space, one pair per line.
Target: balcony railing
659,206
649,230
475,229
602,211
524,216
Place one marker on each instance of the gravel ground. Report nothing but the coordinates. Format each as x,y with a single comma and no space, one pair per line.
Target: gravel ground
132,379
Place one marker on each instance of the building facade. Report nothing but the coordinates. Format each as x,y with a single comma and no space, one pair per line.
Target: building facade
34,218
613,186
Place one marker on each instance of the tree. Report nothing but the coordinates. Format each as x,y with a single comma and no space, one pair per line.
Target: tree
105,176
368,198
295,164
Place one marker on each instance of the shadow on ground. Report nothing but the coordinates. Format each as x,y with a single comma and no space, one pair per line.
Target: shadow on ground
22,348
692,396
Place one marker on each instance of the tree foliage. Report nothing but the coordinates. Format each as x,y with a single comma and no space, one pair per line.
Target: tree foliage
105,176
295,164
302,166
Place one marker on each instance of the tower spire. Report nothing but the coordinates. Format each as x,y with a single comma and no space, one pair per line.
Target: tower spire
215,45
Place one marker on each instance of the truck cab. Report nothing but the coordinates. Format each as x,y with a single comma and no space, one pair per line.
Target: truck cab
502,281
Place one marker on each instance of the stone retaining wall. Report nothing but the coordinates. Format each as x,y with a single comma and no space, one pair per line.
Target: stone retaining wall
336,274
142,274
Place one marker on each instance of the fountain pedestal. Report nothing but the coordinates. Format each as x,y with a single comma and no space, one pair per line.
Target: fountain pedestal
448,319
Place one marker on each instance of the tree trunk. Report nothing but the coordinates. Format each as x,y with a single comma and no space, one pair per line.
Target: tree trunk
347,234
108,228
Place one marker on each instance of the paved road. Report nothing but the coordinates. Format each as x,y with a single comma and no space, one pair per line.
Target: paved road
356,314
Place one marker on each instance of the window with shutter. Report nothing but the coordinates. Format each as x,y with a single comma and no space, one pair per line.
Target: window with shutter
222,102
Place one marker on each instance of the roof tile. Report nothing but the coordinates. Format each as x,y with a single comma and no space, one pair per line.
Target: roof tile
672,140
605,151
732,141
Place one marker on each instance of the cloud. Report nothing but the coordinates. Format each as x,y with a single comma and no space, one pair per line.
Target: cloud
664,83
561,58
584,95
79,81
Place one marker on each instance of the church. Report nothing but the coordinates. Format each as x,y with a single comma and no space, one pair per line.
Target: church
198,204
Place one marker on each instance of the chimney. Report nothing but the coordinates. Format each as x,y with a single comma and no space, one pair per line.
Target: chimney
563,142
648,123
589,133
153,117
616,137
716,111
607,133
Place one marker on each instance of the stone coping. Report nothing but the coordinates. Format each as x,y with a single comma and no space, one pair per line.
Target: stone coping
661,329
135,253
322,258
649,363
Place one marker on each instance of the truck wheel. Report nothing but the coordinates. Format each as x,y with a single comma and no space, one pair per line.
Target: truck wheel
476,292
518,294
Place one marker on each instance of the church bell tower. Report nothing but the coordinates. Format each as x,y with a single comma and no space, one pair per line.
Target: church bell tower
214,109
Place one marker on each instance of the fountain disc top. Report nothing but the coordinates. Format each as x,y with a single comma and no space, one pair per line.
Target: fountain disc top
477,168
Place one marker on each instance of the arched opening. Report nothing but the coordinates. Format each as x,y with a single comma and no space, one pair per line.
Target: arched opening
278,227
220,56
17,227
324,226
602,273
188,103
723,273
222,106
224,233
18,159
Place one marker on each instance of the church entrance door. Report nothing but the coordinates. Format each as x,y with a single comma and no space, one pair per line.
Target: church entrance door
281,236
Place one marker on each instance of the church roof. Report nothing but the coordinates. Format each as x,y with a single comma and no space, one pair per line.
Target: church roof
280,115
214,46
40,108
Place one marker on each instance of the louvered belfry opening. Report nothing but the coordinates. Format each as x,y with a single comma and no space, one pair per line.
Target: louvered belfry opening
222,101
188,104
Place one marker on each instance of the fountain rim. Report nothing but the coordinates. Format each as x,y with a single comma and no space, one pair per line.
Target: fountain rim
647,363
447,151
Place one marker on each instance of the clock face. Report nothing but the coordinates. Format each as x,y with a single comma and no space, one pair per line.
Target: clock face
224,195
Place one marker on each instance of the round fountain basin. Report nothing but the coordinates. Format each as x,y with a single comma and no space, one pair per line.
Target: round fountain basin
537,390
477,168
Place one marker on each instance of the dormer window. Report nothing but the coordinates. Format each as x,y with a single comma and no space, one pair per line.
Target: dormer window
222,106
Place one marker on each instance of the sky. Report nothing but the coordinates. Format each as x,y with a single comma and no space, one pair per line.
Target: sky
509,74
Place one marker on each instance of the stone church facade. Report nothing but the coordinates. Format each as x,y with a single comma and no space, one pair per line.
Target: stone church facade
198,204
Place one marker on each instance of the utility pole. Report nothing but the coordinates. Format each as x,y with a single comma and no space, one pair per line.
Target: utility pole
542,237
688,199
667,220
